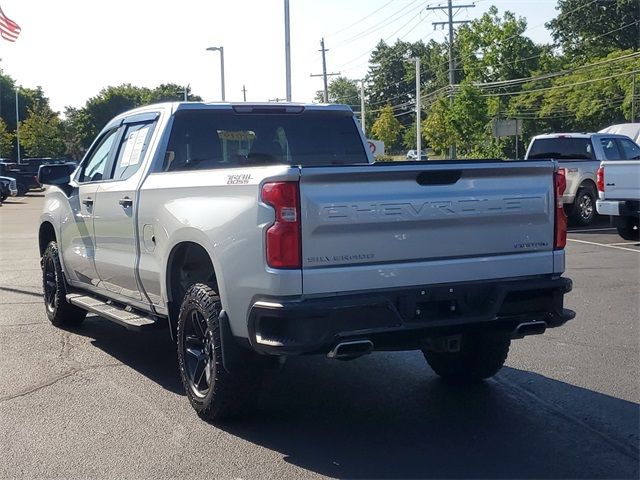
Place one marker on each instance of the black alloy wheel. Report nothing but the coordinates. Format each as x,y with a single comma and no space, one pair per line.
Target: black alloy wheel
200,361
50,285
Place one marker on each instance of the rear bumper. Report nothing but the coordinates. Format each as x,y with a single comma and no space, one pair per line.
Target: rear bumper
618,208
402,318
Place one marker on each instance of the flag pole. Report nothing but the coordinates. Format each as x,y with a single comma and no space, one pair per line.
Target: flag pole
17,125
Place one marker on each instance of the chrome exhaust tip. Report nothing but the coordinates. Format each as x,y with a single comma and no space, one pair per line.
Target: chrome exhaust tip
351,349
529,328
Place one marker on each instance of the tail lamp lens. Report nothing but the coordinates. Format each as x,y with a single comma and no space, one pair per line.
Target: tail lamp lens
283,245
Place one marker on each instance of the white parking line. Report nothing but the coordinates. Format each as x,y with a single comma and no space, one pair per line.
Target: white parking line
592,230
603,245
626,243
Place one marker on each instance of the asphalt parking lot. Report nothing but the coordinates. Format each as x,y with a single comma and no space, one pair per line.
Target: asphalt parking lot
100,401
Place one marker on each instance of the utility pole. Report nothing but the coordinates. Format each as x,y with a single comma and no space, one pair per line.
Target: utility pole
287,50
324,73
186,93
244,93
452,69
418,108
362,114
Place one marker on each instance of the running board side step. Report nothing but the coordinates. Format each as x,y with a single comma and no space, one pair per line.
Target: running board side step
129,318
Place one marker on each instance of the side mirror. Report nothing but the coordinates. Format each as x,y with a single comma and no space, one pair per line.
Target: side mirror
55,174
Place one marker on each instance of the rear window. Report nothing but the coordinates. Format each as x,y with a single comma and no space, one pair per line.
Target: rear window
562,148
206,139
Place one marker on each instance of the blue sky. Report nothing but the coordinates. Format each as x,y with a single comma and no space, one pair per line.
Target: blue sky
73,48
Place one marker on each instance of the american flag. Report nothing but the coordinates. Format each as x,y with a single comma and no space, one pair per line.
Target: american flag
9,30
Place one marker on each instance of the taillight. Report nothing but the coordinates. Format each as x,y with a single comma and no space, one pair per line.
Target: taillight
283,244
560,234
600,179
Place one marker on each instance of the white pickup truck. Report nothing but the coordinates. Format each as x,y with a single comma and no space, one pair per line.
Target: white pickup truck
579,154
619,190
256,232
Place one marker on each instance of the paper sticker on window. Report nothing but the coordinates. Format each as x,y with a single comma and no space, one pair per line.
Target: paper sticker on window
133,147
138,144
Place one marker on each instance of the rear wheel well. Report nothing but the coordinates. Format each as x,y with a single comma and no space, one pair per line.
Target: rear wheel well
46,234
189,263
588,184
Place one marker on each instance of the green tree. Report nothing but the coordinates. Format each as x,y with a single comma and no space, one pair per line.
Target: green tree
41,134
387,128
341,90
494,48
587,98
587,29
6,140
392,74
437,127
170,92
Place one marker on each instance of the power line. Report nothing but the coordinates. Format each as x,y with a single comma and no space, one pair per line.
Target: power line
386,22
555,87
362,19
384,40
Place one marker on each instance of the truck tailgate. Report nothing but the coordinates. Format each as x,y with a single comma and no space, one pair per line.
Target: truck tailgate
385,225
622,179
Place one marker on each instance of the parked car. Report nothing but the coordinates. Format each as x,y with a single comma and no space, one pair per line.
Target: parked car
413,155
619,189
580,155
25,180
254,237
8,188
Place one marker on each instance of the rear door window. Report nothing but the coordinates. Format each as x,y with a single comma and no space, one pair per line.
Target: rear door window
562,148
630,150
610,149
206,139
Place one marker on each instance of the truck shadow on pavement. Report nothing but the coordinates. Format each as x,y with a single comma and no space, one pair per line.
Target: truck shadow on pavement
388,416
150,353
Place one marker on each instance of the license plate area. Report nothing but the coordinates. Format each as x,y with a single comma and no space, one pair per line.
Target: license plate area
442,303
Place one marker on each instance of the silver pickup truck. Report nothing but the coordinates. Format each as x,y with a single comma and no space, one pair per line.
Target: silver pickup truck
579,154
257,232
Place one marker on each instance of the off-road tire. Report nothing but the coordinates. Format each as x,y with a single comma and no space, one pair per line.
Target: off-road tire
480,356
584,206
226,395
59,312
626,228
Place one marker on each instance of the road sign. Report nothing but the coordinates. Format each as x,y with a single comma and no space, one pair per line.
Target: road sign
376,147
509,127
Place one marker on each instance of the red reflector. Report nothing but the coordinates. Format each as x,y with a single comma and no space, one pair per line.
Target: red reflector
560,234
283,246
600,179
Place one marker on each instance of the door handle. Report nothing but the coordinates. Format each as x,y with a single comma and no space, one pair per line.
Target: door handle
126,202
87,202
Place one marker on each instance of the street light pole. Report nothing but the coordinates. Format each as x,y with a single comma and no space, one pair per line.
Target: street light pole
221,50
287,50
362,113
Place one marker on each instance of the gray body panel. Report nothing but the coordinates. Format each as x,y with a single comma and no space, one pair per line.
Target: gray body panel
375,227
621,180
